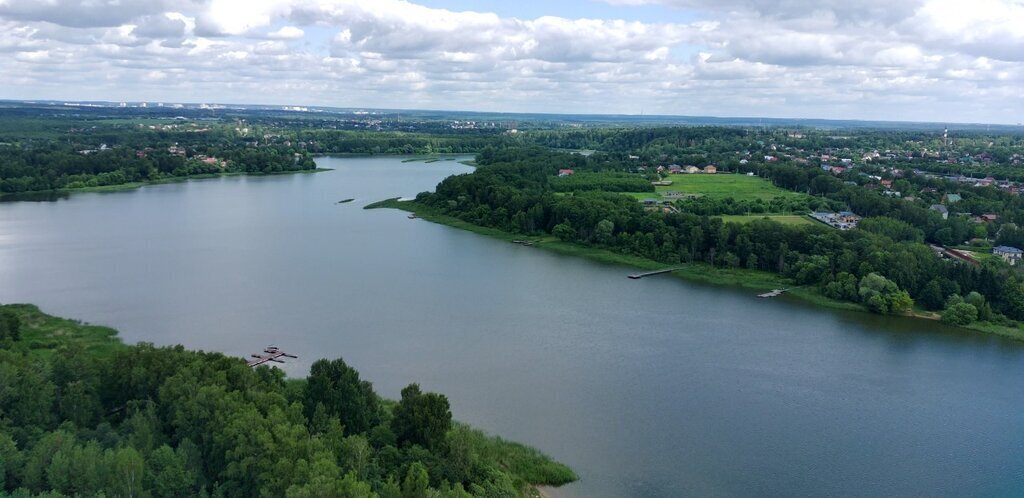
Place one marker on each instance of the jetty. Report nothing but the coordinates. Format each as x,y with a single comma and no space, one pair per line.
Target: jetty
637,276
270,353
526,243
773,293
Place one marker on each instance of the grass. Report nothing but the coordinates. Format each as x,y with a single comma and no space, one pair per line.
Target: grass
785,219
721,186
528,465
44,334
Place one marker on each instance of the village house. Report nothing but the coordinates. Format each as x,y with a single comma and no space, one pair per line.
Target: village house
1009,254
692,169
710,169
675,169
952,198
939,208
565,172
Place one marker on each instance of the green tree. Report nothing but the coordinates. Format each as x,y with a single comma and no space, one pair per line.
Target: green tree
960,314
337,386
416,482
422,419
166,475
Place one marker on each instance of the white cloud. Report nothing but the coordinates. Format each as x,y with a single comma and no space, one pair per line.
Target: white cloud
824,58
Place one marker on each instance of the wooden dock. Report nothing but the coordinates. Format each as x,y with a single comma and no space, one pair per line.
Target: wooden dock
637,276
773,293
271,354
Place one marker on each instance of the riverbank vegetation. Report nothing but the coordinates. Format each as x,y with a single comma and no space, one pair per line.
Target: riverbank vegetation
885,266
82,414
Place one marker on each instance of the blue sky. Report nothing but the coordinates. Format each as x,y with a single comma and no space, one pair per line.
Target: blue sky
925,60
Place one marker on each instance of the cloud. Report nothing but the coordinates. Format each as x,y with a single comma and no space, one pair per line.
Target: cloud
921,59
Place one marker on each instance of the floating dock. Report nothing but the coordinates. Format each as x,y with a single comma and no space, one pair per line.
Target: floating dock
773,293
637,276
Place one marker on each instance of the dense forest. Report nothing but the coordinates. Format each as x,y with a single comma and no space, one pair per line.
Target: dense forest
82,414
883,265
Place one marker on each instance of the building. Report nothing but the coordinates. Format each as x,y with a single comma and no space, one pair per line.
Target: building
565,172
1009,254
939,208
710,169
692,169
952,198
843,220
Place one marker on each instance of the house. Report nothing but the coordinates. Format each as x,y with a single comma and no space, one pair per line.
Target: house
886,183
675,169
565,172
952,198
692,169
939,208
1009,254
710,169
989,217
838,170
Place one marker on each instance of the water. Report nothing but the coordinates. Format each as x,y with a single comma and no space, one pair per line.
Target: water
648,388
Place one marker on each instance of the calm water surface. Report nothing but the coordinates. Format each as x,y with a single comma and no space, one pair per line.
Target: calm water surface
647,388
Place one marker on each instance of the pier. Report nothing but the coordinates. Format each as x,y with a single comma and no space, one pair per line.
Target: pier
773,293
271,354
637,276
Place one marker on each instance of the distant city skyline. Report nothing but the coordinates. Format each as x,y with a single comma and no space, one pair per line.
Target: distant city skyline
900,60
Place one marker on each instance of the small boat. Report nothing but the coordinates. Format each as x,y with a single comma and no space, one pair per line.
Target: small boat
412,216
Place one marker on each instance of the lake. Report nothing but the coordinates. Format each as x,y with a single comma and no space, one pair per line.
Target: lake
649,388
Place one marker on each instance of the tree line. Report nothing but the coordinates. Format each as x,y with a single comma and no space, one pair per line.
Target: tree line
883,266
167,422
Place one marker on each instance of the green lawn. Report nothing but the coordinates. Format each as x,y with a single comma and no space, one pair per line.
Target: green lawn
785,219
720,186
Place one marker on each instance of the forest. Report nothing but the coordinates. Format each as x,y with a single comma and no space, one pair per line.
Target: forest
82,414
884,265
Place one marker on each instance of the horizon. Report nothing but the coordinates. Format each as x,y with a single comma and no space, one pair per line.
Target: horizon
294,107
917,61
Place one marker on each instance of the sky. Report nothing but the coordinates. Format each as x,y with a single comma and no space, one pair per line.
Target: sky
897,60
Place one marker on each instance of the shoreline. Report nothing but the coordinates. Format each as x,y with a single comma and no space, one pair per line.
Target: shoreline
39,194
696,272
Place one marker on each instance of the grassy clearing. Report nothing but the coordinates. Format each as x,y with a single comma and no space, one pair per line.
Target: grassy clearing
721,186
785,219
44,334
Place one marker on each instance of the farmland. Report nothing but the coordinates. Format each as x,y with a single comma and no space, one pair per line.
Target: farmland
720,186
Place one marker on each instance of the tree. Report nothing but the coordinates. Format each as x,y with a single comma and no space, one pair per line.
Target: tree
882,295
10,327
564,231
421,419
603,231
166,475
416,482
11,461
337,386
960,314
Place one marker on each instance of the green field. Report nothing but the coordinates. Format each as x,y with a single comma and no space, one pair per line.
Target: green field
785,219
720,186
